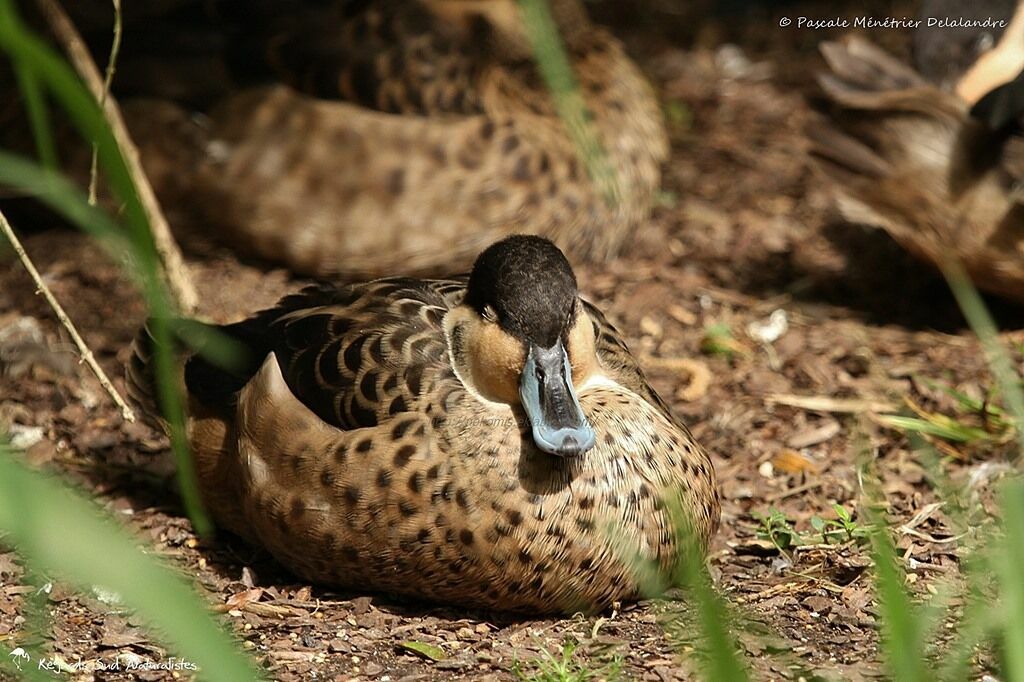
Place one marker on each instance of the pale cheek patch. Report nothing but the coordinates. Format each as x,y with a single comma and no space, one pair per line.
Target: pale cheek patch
497,360
488,360
582,351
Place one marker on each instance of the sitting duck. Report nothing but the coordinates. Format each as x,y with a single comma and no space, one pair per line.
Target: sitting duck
939,169
488,442
404,137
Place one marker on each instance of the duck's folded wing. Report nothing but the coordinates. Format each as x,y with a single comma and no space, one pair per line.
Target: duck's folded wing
355,355
299,486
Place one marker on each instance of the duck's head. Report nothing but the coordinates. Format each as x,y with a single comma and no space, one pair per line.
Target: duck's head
521,336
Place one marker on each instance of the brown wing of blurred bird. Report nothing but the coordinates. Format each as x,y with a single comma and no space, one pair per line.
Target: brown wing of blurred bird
906,156
411,134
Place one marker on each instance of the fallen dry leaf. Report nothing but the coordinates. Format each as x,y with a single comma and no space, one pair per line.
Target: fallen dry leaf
239,600
790,461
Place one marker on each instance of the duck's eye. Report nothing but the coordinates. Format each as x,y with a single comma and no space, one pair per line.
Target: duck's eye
489,314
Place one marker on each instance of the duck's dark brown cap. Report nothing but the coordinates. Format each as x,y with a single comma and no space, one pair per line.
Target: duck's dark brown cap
529,284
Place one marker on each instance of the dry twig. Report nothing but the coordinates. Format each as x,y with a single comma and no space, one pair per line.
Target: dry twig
827,404
87,356
175,271
108,78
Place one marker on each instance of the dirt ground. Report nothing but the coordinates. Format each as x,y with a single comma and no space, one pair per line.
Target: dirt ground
745,229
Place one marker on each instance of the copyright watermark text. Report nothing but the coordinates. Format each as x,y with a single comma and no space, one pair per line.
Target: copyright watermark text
817,23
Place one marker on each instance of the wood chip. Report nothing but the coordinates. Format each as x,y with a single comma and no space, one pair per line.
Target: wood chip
827,404
819,434
239,600
695,372
682,315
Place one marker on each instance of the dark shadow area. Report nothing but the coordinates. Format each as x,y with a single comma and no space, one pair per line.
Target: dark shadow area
881,282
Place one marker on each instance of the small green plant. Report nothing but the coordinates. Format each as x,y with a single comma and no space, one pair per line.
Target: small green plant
841,529
566,666
678,116
777,529
719,340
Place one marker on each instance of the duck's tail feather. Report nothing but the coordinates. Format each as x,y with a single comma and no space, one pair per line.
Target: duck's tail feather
863,67
880,115
140,376
208,363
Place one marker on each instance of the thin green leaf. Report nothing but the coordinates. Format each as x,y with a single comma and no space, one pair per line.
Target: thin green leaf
966,402
38,114
720,659
1009,560
901,627
26,48
969,300
953,431
55,191
428,651
556,70
975,626
54,527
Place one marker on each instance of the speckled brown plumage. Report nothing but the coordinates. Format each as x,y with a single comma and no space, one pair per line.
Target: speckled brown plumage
406,136
352,450
907,157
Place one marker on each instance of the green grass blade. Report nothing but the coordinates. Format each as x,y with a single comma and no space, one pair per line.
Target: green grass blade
557,72
981,322
54,190
960,433
966,401
720,659
1010,560
35,101
70,202
57,530
38,115
975,626
26,48
901,626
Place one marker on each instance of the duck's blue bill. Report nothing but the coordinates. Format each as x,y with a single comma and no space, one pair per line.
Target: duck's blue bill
546,391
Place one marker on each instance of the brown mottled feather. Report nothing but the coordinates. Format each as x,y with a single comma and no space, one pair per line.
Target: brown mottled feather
418,143
905,156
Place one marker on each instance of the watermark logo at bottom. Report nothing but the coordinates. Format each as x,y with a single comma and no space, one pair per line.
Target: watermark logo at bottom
122,662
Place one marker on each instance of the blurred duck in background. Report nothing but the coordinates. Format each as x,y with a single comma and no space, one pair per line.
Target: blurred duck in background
362,138
934,155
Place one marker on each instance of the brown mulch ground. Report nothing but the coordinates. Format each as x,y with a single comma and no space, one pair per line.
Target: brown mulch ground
745,231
